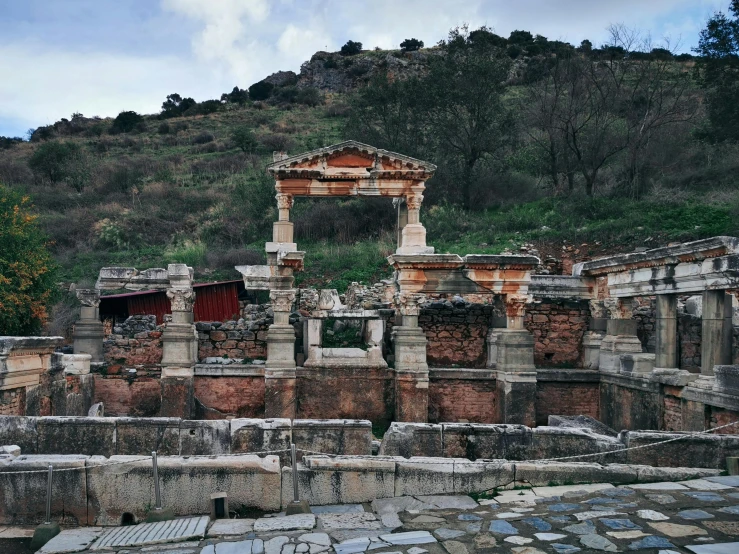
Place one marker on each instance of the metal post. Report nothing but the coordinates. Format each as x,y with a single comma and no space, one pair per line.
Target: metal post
157,493
48,495
295,473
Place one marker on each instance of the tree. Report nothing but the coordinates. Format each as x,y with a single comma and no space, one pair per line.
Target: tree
410,45
175,105
243,138
351,48
61,161
261,90
26,267
236,96
718,48
125,122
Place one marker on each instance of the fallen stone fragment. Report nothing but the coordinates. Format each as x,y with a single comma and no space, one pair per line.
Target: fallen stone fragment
391,520
626,534
565,548
350,520
677,530
651,515
597,542
352,546
449,502
274,546
549,536
285,523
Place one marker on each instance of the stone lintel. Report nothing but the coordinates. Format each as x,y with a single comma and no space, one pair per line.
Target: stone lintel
231,370
463,374
636,381
561,287
568,375
711,398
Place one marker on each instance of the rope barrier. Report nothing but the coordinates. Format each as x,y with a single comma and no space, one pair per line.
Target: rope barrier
423,462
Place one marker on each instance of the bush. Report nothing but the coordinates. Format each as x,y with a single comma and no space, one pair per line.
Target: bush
261,90
27,272
163,128
61,161
125,122
411,45
9,142
351,48
276,142
308,96
236,96
203,137
243,138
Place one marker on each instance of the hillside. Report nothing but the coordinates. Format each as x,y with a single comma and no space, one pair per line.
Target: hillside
190,189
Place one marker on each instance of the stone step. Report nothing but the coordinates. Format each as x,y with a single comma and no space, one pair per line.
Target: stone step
175,530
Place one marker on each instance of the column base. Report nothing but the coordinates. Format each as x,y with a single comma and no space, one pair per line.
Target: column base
515,351
591,344
280,393
88,339
177,397
611,349
517,397
179,349
281,347
411,375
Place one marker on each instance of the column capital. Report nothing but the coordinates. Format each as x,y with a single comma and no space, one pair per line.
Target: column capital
414,200
282,300
88,297
284,201
515,304
182,300
598,309
619,308
409,303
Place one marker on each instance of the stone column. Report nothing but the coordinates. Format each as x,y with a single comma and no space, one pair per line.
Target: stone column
413,236
593,338
402,209
666,345
516,373
620,334
179,354
88,330
280,387
712,331
411,369
282,229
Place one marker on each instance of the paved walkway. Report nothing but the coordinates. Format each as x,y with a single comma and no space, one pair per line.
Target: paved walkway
699,516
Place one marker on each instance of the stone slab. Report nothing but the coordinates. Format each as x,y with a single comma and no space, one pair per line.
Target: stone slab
16,532
229,527
664,486
562,489
176,530
337,509
351,520
449,502
716,548
410,537
705,484
285,523
71,540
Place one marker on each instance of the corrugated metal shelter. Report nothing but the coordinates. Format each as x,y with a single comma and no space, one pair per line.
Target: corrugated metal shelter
214,302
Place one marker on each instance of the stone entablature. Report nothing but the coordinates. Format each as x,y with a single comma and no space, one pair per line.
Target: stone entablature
24,359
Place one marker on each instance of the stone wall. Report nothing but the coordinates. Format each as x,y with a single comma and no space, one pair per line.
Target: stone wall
567,392
456,332
13,402
135,342
558,329
245,338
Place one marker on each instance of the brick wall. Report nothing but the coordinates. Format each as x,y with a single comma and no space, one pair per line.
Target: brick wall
719,417
135,342
456,333
13,402
230,396
673,414
556,398
134,396
558,329
462,400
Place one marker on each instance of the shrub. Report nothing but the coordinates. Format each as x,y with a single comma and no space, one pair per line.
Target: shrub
236,96
9,142
203,137
261,90
175,105
351,48
125,122
411,45
243,138
308,96
163,128
61,161
27,272
276,142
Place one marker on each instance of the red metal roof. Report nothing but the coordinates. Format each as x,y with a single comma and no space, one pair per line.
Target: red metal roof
154,291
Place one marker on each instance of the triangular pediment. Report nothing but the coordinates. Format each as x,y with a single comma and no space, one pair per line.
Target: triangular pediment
350,155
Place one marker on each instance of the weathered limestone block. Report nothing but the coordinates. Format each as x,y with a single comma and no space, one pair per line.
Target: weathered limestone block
705,451
144,435
542,474
412,439
92,436
481,475
258,435
23,496
323,480
727,378
637,363
198,438
186,485
650,474
620,339
333,436
24,359
591,344
581,422
424,475
76,364
20,430
556,442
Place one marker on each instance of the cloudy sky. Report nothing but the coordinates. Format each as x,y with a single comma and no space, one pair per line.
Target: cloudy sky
100,57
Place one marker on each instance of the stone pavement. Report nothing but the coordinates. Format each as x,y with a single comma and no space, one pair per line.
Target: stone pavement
699,516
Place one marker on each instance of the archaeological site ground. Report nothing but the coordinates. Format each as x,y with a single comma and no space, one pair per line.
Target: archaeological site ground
471,402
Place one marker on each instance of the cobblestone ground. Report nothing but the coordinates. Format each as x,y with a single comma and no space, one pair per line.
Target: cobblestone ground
699,516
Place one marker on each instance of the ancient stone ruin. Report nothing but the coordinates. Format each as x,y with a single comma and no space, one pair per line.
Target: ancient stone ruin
460,358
